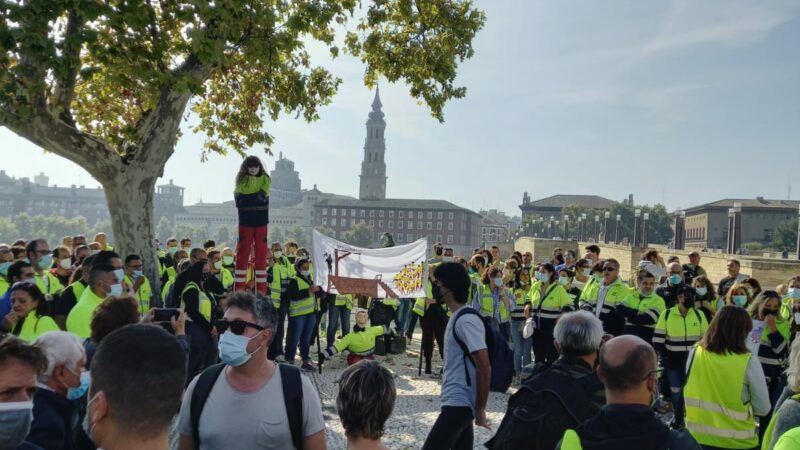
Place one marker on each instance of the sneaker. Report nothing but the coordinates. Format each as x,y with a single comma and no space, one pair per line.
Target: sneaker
307,367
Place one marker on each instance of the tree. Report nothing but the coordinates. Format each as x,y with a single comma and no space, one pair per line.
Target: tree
163,230
222,236
785,236
359,235
276,235
107,84
659,226
299,235
325,231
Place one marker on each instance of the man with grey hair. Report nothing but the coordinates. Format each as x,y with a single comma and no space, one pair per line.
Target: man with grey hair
248,400
63,381
555,397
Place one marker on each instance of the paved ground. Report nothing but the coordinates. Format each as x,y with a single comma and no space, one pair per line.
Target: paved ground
417,404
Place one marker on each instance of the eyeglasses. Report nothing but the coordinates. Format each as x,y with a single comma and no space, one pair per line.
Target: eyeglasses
609,269
658,371
237,326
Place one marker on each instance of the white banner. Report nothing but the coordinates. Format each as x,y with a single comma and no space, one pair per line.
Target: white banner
398,271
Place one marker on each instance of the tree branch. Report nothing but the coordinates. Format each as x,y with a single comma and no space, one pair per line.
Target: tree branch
65,86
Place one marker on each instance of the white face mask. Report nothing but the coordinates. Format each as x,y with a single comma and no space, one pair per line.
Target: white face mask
65,263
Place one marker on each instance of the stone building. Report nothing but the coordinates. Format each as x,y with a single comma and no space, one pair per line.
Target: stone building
707,225
495,227
555,205
37,197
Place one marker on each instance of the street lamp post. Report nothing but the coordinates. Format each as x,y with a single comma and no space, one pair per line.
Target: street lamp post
555,228
550,228
566,227
646,217
798,234
737,227
616,231
583,228
606,216
636,234
596,231
680,230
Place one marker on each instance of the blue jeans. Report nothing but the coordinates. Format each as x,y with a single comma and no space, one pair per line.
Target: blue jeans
404,313
337,315
300,330
676,378
522,347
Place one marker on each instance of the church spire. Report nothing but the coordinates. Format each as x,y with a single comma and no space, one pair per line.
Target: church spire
373,167
376,113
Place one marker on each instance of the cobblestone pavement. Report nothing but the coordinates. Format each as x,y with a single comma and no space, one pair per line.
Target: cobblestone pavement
417,404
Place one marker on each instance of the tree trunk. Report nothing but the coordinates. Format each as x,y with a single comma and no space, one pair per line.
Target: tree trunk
130,203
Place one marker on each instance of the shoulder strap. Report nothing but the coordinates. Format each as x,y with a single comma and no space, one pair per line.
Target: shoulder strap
200,394
293,400
464,349
666,316
697,313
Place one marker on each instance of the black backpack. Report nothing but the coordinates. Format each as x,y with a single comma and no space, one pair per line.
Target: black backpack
292,399
501,357
545,406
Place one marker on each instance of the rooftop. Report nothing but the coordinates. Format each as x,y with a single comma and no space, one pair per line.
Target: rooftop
398,203
565,200
758,202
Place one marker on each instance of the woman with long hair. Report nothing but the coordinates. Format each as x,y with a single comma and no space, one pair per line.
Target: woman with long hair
549,300
725,387
252,203
522,346
705,296
28,318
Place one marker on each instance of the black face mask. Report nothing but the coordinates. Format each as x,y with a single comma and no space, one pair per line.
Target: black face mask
770,312
688,302
437,293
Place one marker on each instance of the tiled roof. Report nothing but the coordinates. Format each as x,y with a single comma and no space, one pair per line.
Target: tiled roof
758,202
565,200
396,203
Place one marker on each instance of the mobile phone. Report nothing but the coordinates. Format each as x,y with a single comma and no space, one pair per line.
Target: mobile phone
165,314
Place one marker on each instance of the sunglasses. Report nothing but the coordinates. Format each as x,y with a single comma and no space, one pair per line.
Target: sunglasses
236,326
609,269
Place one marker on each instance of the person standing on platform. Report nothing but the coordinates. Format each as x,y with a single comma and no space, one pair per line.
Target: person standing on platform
252,202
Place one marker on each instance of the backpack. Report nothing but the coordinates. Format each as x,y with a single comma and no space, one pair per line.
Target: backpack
501,357
292,399
545,406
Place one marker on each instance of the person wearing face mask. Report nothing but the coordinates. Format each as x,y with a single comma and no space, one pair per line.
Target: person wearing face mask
522,346
200,306
673,285
676,332
753,287
72,293
41,258
629,370
590,290
301,292
566,278
693,270
228,259
279,274
549,300
494,300
103,282
721,415
240,398
705,295
609,292
360,343
61,384
790,304
28,318
738,295
20,364
18,271
6,259
641,309
223,276
140,285
583,274
170,260
120,417
62,261
252,203
773,348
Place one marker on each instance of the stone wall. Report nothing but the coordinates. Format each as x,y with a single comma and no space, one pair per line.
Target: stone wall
769,272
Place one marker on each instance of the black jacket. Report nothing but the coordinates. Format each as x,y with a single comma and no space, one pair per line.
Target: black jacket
53,416
631,427
670,294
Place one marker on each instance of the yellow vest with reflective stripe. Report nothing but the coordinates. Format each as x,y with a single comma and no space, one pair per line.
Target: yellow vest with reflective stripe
345,300
715,414
678,333
487,303
205,302
304,306
48,284
767,439
360,342
419,307
281,272
570,441
35,326
142,295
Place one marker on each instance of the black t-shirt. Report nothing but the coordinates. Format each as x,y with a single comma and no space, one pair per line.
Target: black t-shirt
67,300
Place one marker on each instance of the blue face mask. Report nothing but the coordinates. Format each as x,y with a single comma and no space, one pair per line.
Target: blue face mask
74,393
675,280
137,274
587,272
543,277
305,273
739,300
4,268
563,281
120,275
46,262
233,348
498,281
701,291
116,289
15,423
793,292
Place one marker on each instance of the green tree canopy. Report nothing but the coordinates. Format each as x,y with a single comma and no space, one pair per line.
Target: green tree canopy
359,235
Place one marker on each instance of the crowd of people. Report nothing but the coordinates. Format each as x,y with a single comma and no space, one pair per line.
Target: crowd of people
93,356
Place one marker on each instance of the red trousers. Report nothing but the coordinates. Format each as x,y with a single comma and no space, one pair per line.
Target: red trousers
250,237
352,359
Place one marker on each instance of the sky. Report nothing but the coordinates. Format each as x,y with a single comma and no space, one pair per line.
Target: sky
676,102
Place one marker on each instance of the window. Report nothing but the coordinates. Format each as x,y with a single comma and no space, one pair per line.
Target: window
400,214
410,225
450,216
430,225
439,215
409,237
372,213
380,213
419,214
438,238
391,224
400,224
391,214
430,215
449,226
449,238
333,211
352,213
333,221
419,225
438,226
334,234
324,211
380,224
352,222
372,223
362,213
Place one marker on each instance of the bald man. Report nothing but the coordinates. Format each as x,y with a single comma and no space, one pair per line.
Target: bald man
671,288
629,370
